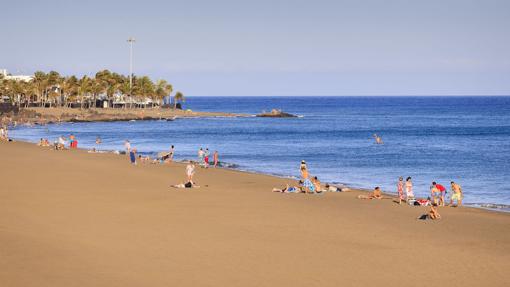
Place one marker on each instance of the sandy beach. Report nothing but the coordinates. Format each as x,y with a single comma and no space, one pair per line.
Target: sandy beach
70,218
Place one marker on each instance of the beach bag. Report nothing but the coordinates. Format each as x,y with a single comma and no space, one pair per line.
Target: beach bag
188,185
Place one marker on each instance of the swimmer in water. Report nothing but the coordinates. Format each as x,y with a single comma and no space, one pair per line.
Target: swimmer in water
378,139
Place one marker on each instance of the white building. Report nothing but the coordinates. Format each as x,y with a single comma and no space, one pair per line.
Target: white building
15,77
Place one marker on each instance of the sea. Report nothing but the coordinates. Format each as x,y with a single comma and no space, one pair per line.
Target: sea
430,138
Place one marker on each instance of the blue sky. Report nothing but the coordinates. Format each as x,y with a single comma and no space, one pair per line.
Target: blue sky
278,47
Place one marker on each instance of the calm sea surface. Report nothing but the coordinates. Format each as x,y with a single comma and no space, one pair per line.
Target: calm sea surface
465,139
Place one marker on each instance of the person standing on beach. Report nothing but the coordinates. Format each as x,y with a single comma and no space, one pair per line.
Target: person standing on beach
215,158
409,189
190,171
304,170
132,156
206,158
400,189
171,154
127,146
456,194
200,156
438,191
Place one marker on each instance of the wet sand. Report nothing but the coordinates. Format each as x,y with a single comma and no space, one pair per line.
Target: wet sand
70,218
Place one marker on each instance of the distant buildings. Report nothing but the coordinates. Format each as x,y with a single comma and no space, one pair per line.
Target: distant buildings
8,76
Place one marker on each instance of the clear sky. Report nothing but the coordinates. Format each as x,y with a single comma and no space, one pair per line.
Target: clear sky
270,47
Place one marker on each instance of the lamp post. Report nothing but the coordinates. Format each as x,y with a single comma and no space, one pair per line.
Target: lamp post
131,40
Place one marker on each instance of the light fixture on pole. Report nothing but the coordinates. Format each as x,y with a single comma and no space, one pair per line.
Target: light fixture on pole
131,40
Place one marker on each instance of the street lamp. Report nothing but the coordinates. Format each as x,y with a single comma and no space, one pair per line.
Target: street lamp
131,40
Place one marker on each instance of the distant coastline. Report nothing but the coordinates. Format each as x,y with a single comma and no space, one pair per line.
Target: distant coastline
42,116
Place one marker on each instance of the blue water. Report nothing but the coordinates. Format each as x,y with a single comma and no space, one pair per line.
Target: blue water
465,139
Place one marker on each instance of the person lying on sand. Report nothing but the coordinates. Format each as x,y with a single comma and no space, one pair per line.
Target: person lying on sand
143,159
188,184
376,194
287,189
332,188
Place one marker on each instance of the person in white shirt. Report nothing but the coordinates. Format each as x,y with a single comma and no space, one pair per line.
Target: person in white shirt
127,146
190,171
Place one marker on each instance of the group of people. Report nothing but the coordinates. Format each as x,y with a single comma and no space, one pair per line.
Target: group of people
437,193
204,158
308,184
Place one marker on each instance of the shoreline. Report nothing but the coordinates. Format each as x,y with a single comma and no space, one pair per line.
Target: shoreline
43,116
504,208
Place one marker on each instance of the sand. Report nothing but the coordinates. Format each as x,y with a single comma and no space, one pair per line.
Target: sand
69,218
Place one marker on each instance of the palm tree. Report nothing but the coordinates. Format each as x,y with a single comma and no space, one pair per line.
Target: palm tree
178,97
41,85
68,88
163,89
84,88
145,88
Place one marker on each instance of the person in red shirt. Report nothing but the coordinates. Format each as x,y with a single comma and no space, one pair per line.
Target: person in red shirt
440,188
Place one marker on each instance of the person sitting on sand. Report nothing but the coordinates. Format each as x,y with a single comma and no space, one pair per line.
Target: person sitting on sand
188,184
190,171
456,194
308,186
376,194
287,189
61,143
433,214
317,184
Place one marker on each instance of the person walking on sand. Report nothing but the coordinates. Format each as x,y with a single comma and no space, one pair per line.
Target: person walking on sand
215,158
190,171
127,146
456,194
409,189
400,189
